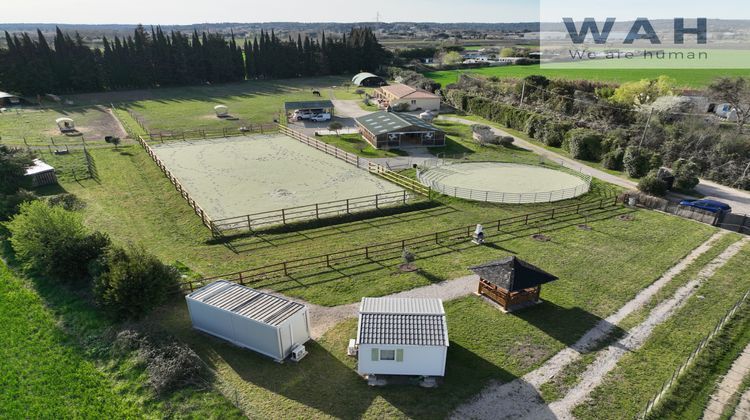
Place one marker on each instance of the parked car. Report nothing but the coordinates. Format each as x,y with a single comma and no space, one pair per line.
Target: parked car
302,115
712,206
321,117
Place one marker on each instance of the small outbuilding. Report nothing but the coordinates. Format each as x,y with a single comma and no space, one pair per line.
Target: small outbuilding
368,80
41,174
309,108
399,336
511,282
268,324
8,99
66,125
406,98
385,130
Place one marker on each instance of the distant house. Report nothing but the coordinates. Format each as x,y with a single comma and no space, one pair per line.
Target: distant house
41,174
368,80
394,130
398,336
412,99
511,282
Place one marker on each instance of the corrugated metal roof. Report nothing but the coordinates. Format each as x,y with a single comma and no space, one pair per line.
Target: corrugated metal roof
39,167
308,105
359,78
401,321
383,122
247,302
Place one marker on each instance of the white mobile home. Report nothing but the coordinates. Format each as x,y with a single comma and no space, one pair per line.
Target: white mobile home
397,336
270,325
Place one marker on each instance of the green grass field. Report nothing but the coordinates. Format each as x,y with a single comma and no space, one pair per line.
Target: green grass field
686,78
38,127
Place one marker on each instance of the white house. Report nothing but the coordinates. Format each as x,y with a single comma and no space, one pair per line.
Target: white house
268,324
398,336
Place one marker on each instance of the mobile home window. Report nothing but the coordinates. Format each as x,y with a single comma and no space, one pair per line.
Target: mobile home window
387,354
413,101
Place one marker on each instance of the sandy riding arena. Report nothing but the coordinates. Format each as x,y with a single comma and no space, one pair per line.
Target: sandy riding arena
505,182
247,175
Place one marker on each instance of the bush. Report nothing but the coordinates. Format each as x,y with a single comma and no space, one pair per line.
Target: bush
171,366
652,185
402,107
67,201
553,133
505,140
613,160
54,242
583,143
686,174
635,162
131,282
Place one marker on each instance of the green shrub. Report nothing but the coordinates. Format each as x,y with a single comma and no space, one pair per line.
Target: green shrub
652,185
636,162
686,174
54,242
67,201
583,143
613,159
553,133
131,282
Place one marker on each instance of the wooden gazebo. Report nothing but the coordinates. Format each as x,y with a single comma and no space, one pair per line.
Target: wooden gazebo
511,282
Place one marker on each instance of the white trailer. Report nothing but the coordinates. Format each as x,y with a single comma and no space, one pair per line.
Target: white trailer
268,324
398,336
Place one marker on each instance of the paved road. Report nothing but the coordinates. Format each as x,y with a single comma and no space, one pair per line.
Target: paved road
348,108
739,200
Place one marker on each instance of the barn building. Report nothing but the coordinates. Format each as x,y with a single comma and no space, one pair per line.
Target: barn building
511,282
405,98
41,174
399,336
368,80
390,130
268,324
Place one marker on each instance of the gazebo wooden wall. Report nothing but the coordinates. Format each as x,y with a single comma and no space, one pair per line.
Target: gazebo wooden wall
508,299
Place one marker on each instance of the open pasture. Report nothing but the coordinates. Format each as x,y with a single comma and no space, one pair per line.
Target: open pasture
248,175
38,128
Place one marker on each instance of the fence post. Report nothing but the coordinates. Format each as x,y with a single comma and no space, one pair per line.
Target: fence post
283,216
404,196
317,213
367,252
376,201
249,222
347,206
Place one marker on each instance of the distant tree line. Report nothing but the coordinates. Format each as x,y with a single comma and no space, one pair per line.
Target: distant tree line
152,58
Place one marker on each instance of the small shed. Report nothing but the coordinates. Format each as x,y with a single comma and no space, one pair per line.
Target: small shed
396,130
368,80
41,174
399,336
66,125
511,282
268,324
8,99
222,111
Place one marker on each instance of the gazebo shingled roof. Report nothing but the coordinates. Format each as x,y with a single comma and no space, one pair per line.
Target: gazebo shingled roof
513,274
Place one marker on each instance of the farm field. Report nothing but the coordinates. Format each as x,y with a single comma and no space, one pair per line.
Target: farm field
640,374
240,176
686,78
38,127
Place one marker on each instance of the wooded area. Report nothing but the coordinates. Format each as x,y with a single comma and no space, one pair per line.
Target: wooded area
154,58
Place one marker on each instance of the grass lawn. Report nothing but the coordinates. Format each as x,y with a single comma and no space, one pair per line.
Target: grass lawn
39,128
354,143
687,78
640,374
68,168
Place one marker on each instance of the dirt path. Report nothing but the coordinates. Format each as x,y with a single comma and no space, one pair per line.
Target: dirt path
638,335
520,398
729,385
324,318
742,411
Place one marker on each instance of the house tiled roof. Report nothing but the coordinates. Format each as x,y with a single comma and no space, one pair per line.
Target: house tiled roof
247,302
386,122
513,274
413,322
401,91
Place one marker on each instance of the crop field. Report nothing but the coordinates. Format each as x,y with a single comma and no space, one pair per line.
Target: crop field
38,127
247,175
686,78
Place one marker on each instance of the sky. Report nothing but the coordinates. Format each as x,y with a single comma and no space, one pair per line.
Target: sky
167,12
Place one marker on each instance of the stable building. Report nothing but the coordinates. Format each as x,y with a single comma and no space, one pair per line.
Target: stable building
399,336
511,282
406,98
41,174
368,80
268,324
384,130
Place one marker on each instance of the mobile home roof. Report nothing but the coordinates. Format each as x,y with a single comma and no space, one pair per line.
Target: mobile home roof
396,321
249,303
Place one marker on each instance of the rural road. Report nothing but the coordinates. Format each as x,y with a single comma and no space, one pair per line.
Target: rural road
739,200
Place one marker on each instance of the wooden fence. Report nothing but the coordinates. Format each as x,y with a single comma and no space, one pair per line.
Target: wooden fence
362,163
311,212
394,248
680,371
183,192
